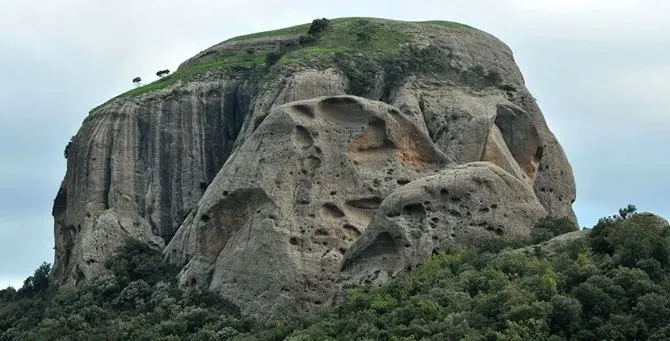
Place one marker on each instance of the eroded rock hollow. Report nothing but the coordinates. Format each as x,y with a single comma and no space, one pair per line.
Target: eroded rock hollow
277,182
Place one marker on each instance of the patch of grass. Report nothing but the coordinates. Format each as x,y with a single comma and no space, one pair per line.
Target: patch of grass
386,34
448,24
233,61
293,30
240,59
387,38
310,53
375,40
358,40
366,35
343,35
153,86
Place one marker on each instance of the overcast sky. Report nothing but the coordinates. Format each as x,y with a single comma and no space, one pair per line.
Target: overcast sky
598,68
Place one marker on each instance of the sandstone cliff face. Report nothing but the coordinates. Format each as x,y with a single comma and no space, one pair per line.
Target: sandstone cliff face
294,196
257,180
138,167
462,205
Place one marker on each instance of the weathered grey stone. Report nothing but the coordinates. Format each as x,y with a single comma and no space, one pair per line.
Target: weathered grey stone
463,205
496,152
659,221
138,167
270,231
142,166
468,125
556,245
301,85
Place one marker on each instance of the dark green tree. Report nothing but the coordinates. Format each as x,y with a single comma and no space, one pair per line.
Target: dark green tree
318,26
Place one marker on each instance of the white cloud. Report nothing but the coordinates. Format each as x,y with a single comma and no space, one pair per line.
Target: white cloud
61,57
648,83
15,282
120,25
576,6
621,20
643,88
25,243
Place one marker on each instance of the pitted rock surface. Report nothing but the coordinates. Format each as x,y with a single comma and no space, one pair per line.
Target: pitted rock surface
260,177
464,205
274,225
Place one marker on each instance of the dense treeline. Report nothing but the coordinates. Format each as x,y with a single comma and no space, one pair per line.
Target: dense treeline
613,284
137,299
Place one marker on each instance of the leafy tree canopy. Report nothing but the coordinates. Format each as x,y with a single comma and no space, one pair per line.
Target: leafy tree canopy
614,284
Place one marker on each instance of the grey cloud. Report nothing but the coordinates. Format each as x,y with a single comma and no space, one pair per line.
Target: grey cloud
60,59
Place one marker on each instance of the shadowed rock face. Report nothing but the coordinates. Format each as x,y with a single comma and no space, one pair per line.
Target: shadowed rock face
147,161
138,168
260,183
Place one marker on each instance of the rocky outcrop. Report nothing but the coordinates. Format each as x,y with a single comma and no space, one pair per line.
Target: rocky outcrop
557,245
463,205
506,129
138,167
259,175
295,196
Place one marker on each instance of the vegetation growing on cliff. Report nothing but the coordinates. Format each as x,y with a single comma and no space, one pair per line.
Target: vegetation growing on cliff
612,285
137,299
606,287
334,42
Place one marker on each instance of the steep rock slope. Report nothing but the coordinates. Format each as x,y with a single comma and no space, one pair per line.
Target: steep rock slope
141,162
136,169
270,231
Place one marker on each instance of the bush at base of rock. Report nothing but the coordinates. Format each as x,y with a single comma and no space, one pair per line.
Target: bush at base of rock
592,291
549,227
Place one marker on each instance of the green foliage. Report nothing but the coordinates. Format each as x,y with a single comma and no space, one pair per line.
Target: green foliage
234,62
414,59
136,261
137,299
38,283
318,26
616,286
385,53
627,211
632,239
360,70
550,227
377,41
287,31
582,294
273,57
446,24
307,39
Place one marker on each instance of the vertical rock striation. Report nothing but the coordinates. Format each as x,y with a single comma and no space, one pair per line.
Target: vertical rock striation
262,160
